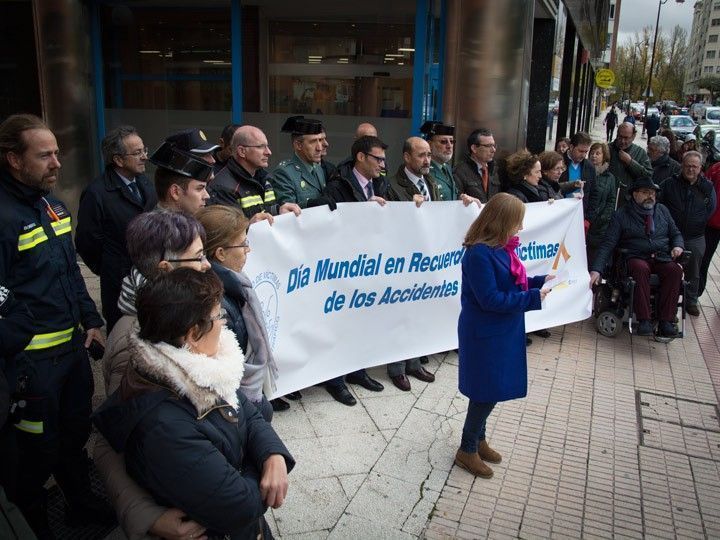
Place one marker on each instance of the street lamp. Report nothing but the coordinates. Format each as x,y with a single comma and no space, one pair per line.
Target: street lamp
661,3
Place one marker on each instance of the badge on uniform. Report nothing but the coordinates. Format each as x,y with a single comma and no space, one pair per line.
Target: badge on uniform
302,184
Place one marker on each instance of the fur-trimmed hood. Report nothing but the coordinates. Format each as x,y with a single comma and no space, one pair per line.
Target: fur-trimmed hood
204,380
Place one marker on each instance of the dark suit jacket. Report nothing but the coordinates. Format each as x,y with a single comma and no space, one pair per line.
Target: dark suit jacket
402,188
106,208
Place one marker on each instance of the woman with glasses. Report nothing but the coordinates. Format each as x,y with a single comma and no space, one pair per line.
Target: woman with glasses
552,166
188,435
603,197
157,242
227,246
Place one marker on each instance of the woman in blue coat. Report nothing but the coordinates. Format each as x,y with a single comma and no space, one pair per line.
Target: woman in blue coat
496,293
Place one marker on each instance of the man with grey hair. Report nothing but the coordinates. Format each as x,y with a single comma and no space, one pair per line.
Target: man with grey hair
107,205
628,161
658,150
691,199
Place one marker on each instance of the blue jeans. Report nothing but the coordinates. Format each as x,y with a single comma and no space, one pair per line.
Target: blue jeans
474,428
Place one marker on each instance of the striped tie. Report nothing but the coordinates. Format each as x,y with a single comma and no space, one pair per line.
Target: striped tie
423,189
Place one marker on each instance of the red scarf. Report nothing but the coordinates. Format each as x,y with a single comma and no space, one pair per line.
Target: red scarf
516,266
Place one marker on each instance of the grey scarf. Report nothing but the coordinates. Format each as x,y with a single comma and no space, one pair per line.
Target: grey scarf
128,292
259,360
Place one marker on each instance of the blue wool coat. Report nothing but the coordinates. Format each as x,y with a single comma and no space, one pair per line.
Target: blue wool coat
491,328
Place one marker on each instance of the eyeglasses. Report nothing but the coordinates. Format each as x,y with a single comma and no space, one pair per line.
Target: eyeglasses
376,158
198,259
492,145
446,142
220,316
245,244
136,153
261,146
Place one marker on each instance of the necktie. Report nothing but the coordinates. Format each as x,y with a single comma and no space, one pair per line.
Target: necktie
423,189
485,179
369,190
132,186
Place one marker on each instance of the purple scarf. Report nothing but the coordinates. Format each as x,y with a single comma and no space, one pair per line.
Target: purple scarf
516,266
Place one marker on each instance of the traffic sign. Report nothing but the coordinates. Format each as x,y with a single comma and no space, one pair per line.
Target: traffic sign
604,78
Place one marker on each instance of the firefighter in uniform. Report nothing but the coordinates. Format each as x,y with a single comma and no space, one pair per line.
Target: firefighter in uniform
301,179
244,180
38,263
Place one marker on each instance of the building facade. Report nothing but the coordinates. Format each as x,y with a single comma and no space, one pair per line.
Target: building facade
166,65
704,47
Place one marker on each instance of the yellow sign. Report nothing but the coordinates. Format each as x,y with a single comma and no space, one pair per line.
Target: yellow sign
604,78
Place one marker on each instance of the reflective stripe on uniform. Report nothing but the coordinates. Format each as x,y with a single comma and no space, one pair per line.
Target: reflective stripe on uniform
269,196
61,227
30,427
31,239
250,200
45,341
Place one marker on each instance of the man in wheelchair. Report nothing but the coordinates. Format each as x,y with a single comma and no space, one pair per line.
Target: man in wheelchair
651,242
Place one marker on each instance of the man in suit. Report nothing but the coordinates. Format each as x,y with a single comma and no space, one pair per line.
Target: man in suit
412,183
476,174
107,205
301,179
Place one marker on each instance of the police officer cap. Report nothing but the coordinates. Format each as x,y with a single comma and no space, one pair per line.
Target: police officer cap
644,183
299,125
432,128
169,156
192,140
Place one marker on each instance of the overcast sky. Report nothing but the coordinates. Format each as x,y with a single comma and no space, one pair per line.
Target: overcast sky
636,14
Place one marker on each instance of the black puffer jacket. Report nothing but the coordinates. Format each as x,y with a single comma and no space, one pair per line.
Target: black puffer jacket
690,205
664,167
627,231
190,448
545,192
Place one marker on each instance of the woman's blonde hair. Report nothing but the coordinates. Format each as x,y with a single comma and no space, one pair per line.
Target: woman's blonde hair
222,224
497,222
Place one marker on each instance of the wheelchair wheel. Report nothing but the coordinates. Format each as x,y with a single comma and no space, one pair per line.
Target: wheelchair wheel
608,324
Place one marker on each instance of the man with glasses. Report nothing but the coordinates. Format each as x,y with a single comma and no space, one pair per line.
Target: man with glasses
442,145
476,173
628,161
244,181
107,205
180,179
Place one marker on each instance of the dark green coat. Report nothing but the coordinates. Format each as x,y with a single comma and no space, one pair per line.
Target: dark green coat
448,187
602,200
293,181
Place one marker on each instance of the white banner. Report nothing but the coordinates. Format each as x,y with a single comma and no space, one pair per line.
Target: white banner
367,285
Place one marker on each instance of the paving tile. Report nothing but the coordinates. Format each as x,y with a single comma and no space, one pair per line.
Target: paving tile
312,505
350,526
385,500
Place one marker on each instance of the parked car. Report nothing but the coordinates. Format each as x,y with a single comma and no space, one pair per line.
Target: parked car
696,110
712,115
680,125
651,111
704,134
670,108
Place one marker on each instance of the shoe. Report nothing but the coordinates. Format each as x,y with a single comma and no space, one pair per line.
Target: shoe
542,333
424,359
88,509
692,309
645,328
279,404
472,463
528,341
401,381
364,380
422,374
667,329
341,394
488,454
294,395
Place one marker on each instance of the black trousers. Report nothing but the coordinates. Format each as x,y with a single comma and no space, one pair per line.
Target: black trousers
712,239
55,426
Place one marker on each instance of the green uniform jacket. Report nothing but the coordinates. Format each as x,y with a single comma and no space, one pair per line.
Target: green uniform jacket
447,186
625,175
294,181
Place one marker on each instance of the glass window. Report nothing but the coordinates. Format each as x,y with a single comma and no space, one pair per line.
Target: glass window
710,54
715,22
351,69
713,38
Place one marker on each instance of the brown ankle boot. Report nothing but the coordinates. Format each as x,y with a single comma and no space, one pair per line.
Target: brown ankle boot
488,454
472,463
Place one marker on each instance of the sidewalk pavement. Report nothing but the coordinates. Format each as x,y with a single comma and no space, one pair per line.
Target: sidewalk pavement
618,437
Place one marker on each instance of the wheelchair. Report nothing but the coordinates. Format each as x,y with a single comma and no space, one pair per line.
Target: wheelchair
613,299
